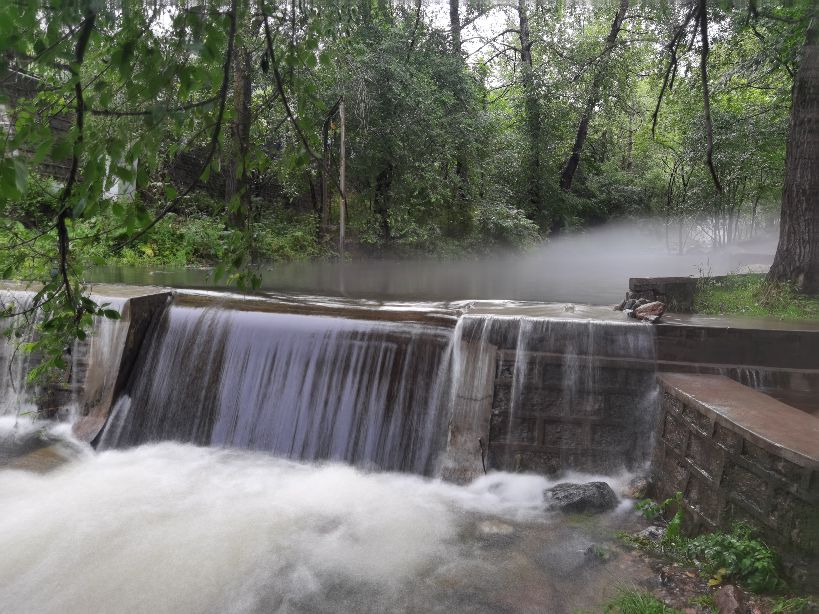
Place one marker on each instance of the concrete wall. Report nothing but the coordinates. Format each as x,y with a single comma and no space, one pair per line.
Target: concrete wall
737,454
600,423
104,380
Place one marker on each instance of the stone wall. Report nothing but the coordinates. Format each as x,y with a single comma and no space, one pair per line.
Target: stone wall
676,292
739,455
598,423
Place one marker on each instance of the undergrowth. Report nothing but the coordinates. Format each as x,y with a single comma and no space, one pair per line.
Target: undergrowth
792,605
753,295
632,601
735,556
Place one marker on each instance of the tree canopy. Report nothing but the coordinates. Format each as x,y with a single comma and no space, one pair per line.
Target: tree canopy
208,131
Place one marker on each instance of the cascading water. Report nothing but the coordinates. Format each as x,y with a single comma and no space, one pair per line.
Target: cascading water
94,362
17,394
568,393
165,527
306,387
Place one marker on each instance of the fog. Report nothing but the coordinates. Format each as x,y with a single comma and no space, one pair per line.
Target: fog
591,267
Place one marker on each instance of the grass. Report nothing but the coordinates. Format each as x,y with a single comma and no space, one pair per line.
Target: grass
632,601
752,295
792,605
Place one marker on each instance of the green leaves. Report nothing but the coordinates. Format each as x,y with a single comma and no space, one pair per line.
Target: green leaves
13,178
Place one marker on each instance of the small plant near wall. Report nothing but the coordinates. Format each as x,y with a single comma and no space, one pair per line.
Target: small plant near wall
793,605
735,556
738,556
633,601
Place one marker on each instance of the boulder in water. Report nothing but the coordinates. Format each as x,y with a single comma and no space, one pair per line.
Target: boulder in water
576,498
643,310
650,311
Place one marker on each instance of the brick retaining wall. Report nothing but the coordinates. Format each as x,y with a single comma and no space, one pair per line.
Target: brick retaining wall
737,454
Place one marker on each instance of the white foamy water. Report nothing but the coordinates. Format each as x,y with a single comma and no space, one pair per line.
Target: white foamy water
177,528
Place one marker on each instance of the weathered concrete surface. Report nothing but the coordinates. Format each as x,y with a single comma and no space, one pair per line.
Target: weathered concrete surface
738,454
104,382
468,434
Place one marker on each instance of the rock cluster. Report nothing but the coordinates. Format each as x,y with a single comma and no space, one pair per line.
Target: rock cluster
642,309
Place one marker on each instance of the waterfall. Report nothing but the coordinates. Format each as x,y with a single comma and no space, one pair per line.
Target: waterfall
568,393
17,394
93,367
306,387
455,395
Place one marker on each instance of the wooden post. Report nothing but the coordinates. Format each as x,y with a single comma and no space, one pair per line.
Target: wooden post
341,182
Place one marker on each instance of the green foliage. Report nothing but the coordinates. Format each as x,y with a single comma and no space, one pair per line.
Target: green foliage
736,555
447,153
632,601
672,538
792,605
753,295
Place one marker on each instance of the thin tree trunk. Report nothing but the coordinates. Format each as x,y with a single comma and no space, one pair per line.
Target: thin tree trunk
573,161
236,181
455,25
383,182
797,256
461,163
532,113
706,96
342,180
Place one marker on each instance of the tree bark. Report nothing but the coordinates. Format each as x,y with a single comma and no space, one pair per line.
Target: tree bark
383,183
236,181
455,25
573,161
461,156
532,113
797,256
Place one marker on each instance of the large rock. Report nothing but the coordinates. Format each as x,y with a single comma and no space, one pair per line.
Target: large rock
649,311
576,498
729,600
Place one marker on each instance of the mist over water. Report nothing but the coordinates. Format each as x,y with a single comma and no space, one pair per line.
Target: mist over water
590,267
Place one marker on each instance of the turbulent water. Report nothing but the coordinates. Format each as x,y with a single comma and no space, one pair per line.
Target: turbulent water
183,529
190,504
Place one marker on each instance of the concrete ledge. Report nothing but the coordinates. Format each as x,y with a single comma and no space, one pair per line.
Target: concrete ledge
739,455
770,424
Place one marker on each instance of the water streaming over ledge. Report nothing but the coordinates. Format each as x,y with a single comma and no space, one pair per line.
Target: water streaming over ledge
300,386
93,363
447,390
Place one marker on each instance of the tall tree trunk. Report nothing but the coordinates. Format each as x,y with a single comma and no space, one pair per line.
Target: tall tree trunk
532,113
236,181
455,25
342,180
324,221
461,159
383,183
797,256
570,167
